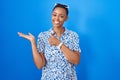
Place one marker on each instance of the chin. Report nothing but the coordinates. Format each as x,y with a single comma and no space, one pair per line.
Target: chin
57,26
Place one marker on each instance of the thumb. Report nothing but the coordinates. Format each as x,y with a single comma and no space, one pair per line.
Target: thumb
29,33
52,35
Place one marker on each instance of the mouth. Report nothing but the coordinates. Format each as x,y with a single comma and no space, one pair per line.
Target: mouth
57,22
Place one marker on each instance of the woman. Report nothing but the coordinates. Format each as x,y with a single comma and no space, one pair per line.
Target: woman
57,51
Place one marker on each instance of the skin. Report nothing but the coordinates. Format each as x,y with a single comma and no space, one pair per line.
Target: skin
59,16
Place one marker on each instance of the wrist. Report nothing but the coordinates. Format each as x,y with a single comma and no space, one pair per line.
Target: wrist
33,42
60,45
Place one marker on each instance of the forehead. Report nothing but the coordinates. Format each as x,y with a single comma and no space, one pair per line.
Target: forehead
59,10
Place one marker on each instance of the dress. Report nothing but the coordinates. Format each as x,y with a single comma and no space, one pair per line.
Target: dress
57,67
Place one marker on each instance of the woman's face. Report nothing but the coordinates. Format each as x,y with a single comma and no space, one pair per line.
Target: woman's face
59,16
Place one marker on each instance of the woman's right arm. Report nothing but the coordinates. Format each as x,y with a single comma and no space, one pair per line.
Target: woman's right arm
39,58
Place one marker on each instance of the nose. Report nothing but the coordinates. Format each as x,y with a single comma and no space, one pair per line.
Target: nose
57,18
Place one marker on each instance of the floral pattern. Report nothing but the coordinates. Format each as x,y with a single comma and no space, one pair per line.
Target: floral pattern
57,67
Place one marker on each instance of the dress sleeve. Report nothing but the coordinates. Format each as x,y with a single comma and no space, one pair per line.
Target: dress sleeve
40,43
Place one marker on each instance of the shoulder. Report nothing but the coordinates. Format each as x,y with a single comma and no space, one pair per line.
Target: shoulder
72,33
43,34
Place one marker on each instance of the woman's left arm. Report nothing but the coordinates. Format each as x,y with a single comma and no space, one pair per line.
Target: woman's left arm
72,56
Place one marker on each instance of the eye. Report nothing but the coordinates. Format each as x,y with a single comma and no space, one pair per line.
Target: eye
62,16
54,14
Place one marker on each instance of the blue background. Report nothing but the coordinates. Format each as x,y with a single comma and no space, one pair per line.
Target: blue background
96,21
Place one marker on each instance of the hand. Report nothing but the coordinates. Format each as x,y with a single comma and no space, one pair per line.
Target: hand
53,41
29,37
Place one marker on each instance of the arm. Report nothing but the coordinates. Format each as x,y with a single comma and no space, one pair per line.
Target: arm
39,58
72,56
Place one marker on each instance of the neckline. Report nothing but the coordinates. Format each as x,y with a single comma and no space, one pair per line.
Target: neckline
52,31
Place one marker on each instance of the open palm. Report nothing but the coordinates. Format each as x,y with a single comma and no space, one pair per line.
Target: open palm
30,37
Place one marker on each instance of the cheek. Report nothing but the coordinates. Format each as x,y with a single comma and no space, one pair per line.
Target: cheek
53,18
62,20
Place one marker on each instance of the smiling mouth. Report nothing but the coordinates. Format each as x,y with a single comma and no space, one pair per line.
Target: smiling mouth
56,22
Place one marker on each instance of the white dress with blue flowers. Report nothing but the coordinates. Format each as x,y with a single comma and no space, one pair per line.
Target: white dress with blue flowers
57,67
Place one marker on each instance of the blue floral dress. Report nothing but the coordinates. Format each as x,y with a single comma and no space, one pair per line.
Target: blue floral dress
57,67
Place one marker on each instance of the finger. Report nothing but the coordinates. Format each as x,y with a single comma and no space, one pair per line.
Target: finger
19,33
50,41
52,35
29,33
22,35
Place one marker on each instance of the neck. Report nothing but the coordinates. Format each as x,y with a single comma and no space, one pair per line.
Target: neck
59,30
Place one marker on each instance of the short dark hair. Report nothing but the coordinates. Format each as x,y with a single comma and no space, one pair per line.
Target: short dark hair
61,6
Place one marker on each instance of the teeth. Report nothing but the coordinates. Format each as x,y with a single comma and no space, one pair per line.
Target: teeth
56,22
